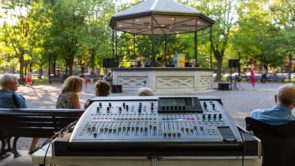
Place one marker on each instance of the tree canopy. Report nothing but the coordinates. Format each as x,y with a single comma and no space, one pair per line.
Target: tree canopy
75,36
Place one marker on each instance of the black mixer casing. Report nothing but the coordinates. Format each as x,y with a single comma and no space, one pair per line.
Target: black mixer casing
153,126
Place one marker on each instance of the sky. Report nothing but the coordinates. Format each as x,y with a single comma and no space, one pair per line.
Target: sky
9,16
13,20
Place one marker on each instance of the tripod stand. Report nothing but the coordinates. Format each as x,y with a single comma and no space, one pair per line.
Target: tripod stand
234,83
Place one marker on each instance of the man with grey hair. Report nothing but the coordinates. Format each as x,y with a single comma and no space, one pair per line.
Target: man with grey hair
8,96
10,99
280,113
145,91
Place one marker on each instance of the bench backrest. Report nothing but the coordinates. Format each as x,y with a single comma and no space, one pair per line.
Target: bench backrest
27,122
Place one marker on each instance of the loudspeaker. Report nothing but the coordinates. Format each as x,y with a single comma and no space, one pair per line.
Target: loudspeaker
223,86
116,88
109,62
233,63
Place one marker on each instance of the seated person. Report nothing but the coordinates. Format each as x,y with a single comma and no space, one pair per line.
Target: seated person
8,95
145,91
9,98
280,113
102,88
69,93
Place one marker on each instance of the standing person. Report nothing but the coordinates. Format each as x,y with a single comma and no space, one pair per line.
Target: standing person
281,113
29,79
263,74
69,93
102,88
9,98
108,77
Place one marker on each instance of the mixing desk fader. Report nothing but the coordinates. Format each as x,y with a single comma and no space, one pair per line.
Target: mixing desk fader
166,126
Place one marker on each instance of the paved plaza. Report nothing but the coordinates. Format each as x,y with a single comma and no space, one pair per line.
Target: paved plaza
237,102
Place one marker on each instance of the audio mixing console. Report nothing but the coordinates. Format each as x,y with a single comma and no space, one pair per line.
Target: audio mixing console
165,126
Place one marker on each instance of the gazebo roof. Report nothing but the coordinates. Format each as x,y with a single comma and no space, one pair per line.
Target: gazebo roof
160,17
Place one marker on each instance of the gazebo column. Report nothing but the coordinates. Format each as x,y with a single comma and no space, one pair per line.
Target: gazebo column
153,60
196,48
113,43
165,48
211,47
116,51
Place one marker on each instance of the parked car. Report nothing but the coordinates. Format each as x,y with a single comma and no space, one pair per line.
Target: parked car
258,76
277,77
234,76
90,76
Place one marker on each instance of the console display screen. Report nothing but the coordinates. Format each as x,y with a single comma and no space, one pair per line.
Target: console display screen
176,101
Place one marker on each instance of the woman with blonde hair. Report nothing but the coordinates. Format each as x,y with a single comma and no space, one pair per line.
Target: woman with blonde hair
103,88
69,93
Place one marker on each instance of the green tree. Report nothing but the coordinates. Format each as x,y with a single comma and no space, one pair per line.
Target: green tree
224,14
17,35
284,19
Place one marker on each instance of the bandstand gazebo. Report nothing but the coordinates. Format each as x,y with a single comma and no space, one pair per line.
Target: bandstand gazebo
161,17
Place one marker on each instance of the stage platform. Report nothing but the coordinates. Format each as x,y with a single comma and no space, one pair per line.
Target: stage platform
164,79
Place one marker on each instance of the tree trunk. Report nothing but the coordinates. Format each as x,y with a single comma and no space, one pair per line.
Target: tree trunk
219,60
290,67
21,68
54,68
92,59
70,62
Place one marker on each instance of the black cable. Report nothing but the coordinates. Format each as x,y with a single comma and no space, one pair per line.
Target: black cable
60,132
44,159
50,139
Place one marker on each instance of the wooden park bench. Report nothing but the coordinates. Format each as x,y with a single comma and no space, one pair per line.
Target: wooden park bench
28,122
